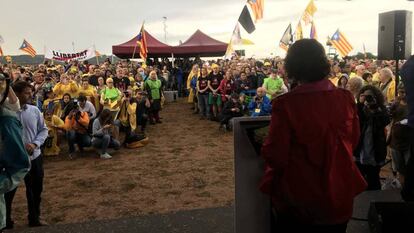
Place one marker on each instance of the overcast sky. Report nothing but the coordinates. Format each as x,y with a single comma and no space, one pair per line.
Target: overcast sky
56,24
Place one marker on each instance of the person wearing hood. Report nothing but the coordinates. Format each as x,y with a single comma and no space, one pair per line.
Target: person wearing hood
14,160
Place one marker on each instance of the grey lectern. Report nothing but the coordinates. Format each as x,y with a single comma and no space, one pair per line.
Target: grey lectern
252,208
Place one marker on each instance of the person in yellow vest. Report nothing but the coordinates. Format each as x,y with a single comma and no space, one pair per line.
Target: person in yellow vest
195,73
66,86
89,91
387,84
111,98
53,123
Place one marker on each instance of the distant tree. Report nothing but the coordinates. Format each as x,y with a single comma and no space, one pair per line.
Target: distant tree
360,55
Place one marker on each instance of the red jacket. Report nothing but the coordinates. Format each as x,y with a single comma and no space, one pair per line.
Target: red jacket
310,171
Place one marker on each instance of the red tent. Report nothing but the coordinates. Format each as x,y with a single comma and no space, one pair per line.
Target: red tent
154,46
199,44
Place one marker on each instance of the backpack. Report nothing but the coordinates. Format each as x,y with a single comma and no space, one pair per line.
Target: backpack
193,82
136,141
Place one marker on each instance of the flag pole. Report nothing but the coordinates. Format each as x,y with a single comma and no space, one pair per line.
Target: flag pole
44,54
96,56
135,48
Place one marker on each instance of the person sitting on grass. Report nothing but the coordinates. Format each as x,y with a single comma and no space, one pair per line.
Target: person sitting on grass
232,108
102,130
260,104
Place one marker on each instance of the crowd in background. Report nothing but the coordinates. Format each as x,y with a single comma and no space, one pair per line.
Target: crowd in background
89,105
223,89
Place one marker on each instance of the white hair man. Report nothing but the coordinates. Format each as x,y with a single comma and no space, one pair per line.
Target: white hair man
387,84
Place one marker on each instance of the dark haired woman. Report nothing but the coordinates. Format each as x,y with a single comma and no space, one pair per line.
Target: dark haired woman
342,81
65,106
102,130
367,77
310,173
372,149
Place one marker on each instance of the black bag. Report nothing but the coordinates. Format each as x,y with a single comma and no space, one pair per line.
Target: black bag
134,138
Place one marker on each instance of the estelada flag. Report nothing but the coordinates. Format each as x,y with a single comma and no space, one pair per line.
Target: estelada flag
257,7
1,52
142,41
28,48
341,44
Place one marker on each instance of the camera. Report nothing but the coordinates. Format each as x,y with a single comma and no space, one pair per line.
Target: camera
370,99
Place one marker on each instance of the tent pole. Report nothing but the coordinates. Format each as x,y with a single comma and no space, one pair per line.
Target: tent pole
172,59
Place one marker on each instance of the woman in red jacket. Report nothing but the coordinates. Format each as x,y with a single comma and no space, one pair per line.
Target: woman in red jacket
314,129
227,86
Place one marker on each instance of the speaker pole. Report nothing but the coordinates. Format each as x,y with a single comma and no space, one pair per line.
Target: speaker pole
397,77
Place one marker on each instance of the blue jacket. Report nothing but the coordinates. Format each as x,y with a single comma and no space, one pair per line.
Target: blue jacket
265,107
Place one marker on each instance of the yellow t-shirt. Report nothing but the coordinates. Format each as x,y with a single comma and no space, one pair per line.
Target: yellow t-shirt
89,92
71,88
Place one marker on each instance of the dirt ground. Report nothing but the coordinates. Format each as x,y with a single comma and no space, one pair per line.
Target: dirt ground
187,165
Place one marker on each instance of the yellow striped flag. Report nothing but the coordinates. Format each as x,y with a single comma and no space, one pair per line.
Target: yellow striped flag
28,48
1,52
257,7
299,32
309,12
341,44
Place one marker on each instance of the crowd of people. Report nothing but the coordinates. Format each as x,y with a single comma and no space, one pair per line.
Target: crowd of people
89,105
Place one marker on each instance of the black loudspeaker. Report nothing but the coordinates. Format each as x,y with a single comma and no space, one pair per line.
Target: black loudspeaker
394,35
391,217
